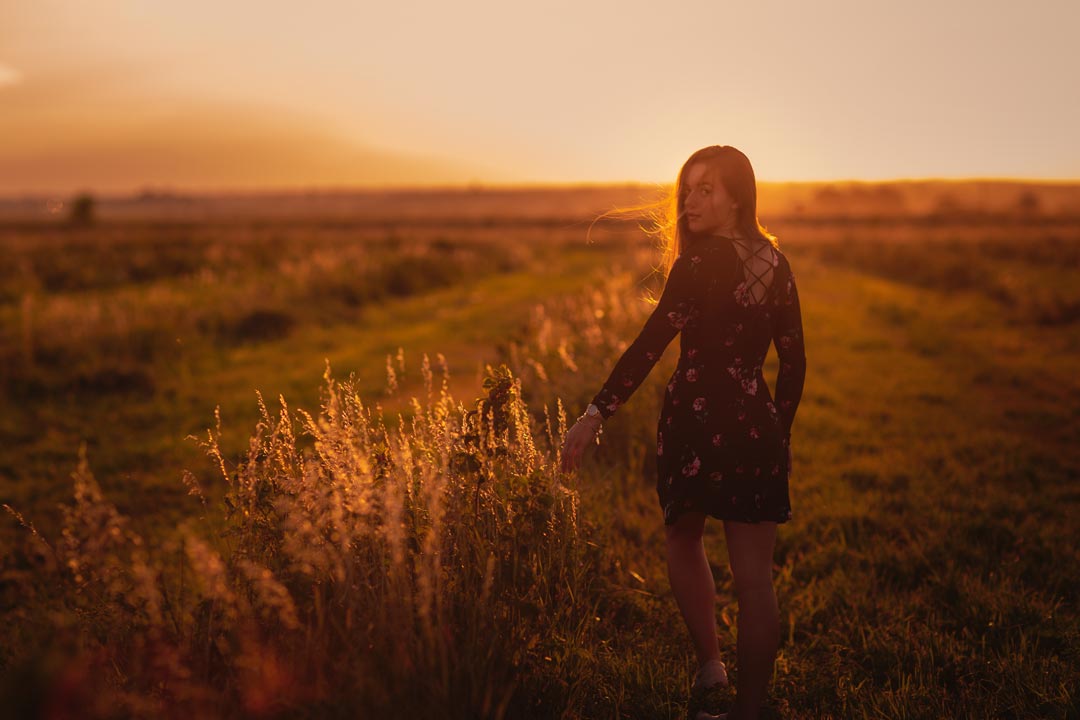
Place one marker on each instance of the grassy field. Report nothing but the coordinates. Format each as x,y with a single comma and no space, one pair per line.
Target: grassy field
322,558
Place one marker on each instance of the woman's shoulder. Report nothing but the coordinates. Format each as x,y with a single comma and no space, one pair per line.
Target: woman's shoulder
785,263
780,259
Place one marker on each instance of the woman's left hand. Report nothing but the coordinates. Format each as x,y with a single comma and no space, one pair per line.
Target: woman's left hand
577,438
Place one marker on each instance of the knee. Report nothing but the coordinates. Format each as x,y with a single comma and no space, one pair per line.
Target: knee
687,530
684,537
684,540
755,590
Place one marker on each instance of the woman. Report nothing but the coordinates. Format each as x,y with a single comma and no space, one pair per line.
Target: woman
723,447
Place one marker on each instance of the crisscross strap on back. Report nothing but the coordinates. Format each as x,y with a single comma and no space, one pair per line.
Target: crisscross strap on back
757,285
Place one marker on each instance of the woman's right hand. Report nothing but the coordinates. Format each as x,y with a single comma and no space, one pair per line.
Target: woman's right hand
577,438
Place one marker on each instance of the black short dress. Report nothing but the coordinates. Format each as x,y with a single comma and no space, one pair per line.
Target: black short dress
721,441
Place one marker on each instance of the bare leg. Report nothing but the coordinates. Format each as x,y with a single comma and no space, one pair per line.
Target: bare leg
750,552
692,583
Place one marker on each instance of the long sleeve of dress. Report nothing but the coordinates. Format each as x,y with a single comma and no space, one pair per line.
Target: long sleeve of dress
668,317
790,350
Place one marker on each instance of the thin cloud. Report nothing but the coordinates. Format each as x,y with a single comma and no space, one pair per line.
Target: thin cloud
9,76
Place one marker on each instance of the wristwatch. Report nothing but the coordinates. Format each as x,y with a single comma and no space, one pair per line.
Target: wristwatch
593,412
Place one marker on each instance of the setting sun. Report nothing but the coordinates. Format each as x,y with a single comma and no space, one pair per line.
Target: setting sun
120,95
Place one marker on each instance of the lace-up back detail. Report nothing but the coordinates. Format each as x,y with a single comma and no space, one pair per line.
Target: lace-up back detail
757,271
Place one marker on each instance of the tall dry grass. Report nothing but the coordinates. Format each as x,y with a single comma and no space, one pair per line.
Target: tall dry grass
422,567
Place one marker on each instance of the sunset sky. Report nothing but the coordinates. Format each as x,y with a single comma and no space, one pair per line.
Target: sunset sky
116,96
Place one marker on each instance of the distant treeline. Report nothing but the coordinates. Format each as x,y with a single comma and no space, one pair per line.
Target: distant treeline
938,199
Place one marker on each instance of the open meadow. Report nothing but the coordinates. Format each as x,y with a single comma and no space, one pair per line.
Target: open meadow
299,460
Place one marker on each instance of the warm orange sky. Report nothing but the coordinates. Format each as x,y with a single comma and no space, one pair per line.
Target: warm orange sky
115,96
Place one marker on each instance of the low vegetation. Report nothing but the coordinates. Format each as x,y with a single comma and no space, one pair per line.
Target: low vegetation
410,549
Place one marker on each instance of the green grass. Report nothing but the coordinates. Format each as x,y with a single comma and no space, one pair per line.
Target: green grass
133,388
928,571
138,442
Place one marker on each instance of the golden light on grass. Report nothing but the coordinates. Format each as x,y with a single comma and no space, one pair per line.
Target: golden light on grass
397,547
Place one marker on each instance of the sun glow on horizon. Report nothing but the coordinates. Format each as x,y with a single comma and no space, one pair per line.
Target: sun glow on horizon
122,96
9,76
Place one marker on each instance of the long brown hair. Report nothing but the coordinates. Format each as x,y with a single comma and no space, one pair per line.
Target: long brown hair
668,220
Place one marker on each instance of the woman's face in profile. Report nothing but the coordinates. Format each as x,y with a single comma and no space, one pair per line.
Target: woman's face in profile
707,205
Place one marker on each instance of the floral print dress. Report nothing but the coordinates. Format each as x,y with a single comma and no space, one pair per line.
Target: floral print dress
721,440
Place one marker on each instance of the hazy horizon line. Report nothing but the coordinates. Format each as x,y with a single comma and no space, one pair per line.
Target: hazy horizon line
480,185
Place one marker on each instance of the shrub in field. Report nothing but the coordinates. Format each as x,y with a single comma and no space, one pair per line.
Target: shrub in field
82,209
262,325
